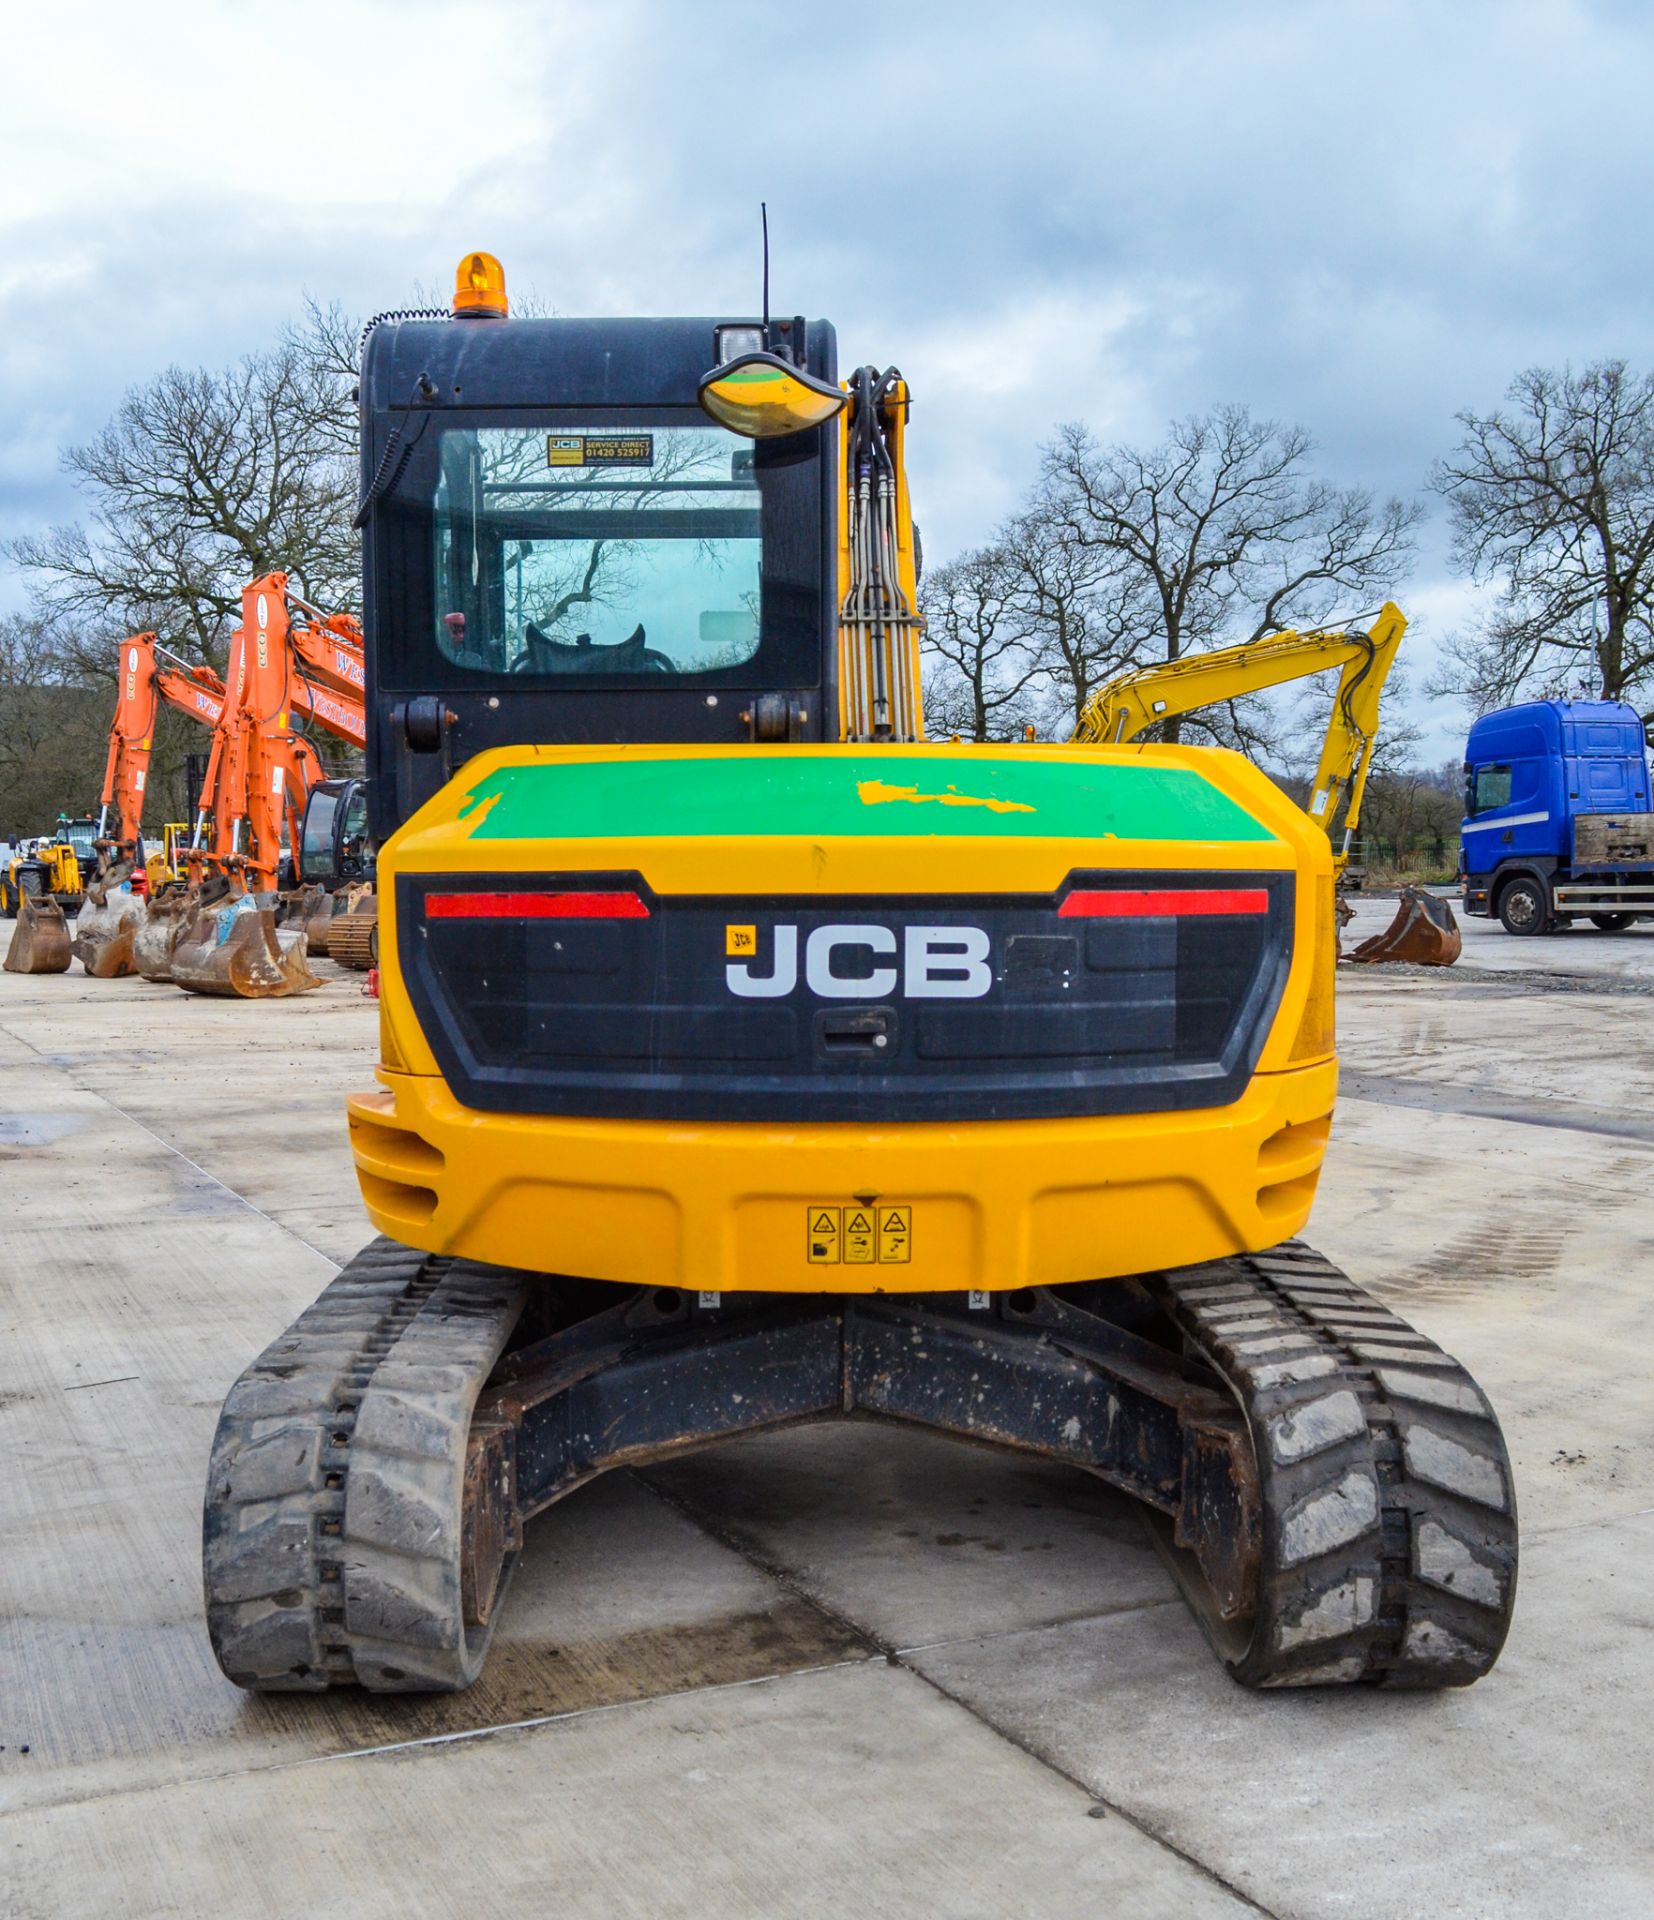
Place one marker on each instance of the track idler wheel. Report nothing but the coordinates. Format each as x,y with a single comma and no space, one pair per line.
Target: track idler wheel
1423,933
40,940
235,949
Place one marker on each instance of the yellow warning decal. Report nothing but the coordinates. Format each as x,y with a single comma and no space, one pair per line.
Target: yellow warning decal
895,1233
860,1235
740,940
860,1243
823,1226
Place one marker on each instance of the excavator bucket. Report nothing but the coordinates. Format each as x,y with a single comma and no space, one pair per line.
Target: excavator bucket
40,942
1423,932
311,908
108,922
170,912
235,948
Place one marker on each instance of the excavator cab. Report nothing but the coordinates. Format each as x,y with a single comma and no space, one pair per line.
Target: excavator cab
334,873
334,848
746,1060
562,548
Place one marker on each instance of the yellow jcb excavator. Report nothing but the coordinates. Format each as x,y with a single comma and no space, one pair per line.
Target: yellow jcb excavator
747,1061
1424,931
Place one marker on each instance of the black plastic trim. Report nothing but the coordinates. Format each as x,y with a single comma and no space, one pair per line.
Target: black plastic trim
1163,1029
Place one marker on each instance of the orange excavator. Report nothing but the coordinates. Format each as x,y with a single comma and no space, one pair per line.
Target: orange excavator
144,684
236,937
102,934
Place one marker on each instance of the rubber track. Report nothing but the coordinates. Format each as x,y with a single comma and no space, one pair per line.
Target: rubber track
1389,1515
331,1540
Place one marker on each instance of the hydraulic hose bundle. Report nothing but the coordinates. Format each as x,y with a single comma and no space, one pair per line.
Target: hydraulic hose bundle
878,622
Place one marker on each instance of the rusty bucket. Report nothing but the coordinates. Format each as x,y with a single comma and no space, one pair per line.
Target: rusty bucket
235,948
170,910
310,907
40,941
1423,932
107,923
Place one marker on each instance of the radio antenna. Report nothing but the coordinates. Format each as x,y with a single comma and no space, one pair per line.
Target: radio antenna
764,217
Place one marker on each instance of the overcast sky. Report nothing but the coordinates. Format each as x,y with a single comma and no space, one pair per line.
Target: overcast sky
1356,217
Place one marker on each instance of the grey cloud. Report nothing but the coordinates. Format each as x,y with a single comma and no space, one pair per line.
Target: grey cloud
1356,217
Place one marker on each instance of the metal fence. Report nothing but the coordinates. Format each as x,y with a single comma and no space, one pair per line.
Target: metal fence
1421,850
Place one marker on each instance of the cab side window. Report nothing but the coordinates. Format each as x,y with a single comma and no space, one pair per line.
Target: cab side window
1490,789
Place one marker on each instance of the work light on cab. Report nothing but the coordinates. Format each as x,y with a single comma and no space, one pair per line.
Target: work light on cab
479,289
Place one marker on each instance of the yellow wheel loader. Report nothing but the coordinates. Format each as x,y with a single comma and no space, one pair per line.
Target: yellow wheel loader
36,887
746,1060
56,869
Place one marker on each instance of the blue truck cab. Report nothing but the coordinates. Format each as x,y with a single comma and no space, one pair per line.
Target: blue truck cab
1559,817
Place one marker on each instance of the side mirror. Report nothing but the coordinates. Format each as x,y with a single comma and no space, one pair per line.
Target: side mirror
762,397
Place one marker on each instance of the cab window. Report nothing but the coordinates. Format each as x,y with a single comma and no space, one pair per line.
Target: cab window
1490,789
609,550
316,838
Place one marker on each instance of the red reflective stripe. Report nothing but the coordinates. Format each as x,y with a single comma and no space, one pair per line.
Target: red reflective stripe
1194,900
534,906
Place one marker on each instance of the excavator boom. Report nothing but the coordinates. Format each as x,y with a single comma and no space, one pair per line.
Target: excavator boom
112,916
1424,930
261,772
1129,705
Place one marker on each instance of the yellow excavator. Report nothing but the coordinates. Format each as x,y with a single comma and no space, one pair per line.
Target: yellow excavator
746,1060
1424,931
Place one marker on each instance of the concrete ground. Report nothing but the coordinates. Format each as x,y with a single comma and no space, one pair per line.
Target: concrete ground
837,1671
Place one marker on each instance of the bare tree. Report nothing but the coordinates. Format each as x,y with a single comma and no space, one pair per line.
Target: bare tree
1222,534
201,482
204,480
982,666
52,744
1075,608
1553,499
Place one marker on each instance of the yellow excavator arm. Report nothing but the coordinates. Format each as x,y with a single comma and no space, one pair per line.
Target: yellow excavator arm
1128,706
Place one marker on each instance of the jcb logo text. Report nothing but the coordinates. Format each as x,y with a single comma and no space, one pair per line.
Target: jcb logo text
936,963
